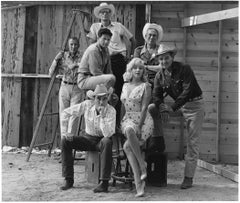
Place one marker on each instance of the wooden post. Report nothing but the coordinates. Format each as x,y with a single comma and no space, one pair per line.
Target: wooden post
148,13
181,144
219,89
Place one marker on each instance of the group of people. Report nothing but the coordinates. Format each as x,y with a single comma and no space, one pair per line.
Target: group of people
126,94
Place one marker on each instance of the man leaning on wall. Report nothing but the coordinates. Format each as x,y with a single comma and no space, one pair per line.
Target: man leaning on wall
179,82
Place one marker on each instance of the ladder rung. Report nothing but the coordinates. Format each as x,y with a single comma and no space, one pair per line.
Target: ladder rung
50,114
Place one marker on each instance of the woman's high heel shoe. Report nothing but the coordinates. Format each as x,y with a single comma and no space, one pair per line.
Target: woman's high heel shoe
140,193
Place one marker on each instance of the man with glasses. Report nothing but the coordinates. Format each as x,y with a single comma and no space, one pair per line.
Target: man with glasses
100,120
119,50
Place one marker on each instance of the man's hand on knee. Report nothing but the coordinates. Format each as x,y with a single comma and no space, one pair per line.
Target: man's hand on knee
164,110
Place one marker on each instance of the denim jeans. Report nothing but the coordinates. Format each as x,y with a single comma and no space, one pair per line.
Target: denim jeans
87,142
193,113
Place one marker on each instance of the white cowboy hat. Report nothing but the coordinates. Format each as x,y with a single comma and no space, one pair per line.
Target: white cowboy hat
100,90
163,48
157,27
104,5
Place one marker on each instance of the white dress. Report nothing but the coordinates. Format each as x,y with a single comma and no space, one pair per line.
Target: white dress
133,106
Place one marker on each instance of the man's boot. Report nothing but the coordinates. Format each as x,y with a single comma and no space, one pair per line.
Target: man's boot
102,187
68,183
187,183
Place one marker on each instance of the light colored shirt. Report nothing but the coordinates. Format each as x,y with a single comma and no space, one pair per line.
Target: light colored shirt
95,125
95,61
66,67
118,30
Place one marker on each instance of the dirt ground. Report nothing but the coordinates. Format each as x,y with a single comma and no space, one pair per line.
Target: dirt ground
40,179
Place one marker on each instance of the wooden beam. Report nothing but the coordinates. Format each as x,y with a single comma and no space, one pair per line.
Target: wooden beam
219,89
27,75
210,17
216,169
148,13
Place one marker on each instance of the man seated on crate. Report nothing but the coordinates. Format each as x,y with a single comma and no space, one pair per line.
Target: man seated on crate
179,82
100,121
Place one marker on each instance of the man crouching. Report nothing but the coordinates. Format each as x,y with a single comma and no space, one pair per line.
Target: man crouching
100,119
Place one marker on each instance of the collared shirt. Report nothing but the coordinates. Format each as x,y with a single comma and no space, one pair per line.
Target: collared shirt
64,65
118,30
148,58
95,125
180,84
95,61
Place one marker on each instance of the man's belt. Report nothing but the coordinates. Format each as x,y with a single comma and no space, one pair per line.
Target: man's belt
196,98
69,83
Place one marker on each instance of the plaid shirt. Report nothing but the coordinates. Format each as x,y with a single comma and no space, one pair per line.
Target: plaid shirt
95,125
69,75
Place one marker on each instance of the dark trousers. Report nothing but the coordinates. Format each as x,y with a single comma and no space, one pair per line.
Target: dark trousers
87,143
118,63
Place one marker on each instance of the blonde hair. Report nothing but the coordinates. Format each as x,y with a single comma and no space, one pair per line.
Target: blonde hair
127,76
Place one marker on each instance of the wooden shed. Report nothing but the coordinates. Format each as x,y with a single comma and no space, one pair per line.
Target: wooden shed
204,32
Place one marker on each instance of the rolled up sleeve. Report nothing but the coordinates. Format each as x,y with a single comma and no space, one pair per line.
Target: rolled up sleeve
73,111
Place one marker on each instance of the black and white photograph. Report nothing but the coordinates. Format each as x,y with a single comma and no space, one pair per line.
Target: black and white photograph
119,100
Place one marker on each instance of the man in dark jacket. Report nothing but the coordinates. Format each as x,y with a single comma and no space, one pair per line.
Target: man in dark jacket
178,81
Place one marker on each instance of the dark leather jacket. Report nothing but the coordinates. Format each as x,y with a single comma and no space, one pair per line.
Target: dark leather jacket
182,85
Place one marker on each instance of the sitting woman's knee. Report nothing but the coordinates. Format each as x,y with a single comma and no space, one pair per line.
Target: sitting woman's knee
129,132
126,147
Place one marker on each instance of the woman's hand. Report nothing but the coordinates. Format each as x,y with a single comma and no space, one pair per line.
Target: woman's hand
138,132
164,112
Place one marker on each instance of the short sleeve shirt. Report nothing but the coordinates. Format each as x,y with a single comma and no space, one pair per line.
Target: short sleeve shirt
118,30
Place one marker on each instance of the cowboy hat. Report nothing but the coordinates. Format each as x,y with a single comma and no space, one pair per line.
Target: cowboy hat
100,90
102,6
163,48
157,27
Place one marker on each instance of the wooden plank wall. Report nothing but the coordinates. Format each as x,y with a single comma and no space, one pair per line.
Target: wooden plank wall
13,30
202,43
52,27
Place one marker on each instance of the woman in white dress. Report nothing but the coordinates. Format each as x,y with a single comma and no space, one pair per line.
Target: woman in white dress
137,124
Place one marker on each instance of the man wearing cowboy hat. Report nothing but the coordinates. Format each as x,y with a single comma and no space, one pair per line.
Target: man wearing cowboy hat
100,119
118,47
152,34
178,81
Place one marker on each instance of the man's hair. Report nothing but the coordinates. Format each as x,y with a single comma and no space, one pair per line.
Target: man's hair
74,38
104,31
